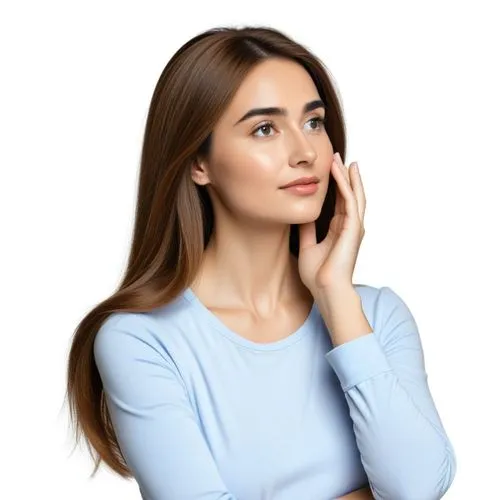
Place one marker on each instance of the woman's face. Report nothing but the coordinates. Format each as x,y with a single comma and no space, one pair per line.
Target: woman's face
251,160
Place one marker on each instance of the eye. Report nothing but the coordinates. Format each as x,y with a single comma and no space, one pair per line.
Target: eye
318,120
263,126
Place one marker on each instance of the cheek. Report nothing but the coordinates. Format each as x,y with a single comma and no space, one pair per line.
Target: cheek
248,185
249,171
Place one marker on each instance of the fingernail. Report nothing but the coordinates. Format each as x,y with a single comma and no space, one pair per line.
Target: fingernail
356,166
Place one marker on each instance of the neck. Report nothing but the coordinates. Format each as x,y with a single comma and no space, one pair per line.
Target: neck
251,268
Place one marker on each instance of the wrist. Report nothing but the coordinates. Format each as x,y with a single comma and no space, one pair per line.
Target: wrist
343,315
338,300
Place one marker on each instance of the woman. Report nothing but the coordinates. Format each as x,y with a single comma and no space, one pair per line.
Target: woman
237,360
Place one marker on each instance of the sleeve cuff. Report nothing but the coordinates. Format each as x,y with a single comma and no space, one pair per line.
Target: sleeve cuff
358,360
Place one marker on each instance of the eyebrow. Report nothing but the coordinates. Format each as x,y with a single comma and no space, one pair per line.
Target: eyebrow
280,111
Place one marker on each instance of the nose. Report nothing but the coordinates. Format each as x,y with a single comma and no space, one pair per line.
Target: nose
302,149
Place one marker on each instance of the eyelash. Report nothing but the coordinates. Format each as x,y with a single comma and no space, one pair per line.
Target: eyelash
317,119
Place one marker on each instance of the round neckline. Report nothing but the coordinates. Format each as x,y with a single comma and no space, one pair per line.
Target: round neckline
214,320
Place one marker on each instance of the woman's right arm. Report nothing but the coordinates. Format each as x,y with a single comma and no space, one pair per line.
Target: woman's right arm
361,494
153,420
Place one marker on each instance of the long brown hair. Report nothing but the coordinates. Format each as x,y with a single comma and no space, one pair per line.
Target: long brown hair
174,216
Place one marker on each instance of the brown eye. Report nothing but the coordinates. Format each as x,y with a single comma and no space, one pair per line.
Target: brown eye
263,126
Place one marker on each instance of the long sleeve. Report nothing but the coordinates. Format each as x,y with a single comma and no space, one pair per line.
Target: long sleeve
402,443
154,423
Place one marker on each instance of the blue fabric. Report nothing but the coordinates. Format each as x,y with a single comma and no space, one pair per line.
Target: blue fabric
202,413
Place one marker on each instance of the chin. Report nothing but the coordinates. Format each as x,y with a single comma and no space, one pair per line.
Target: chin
305,216
301,220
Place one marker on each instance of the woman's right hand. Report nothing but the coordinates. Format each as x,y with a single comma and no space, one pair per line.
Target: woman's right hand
361,494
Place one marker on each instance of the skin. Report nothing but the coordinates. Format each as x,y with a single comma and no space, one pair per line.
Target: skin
248,275
361,494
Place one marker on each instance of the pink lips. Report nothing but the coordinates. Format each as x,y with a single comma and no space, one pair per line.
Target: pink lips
302,180
302,188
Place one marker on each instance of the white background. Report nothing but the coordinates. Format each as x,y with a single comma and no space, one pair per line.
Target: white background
420,88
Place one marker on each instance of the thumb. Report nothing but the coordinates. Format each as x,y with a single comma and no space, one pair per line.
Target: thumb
307,235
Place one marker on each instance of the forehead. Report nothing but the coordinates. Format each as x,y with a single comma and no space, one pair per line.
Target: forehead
274,82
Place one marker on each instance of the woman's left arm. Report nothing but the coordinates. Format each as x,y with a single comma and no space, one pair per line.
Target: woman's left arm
403,446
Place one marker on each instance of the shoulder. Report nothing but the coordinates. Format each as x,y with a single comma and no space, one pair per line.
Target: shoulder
151,334
383,306
383,295
122,336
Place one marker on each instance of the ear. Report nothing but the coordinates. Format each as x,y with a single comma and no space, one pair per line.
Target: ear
199,172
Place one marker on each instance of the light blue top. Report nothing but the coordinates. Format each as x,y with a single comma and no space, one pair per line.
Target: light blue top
202,413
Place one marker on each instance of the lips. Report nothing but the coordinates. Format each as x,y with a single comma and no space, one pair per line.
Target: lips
302,181
302,189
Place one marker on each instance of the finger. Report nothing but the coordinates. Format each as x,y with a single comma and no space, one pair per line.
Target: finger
346,191
342,167
346,178
359,191
339,198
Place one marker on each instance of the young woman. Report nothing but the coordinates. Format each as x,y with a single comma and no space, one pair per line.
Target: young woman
237,360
